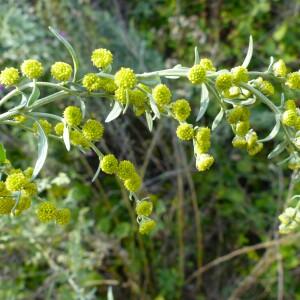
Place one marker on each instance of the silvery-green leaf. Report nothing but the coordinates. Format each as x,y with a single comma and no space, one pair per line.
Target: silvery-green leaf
197,58
115,112
274,131
83,108
152,80
172,77
271,64
154,106
217,120
127,102
42,150
66,137
110,295
35,94
2,154
249,101
70,49
284,160
249,53
282,100
149,121
277,150
178,66
97,172
203,102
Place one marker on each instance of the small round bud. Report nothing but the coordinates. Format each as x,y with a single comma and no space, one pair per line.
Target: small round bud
78,139
23,204
137,98
6,205
46,125
73,115
290,104
133,183
161,95
240,74
251,139
125,170
144,208
59,128
293,80
232,93
9,76
93,130
20,118
109,85
204,162
16,181
207,64
267,88
238,113
185,132
46,212
32,69
289,117
197,74
61,71
255,149
101,58
63,216
125,78
279,68
239,142
181,109
30,189
109,164
242,127
92,82
121,95
224,81
146,226
202,140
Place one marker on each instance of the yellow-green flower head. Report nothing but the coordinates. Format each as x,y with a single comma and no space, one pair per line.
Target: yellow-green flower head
238,113
28,172
30,189
144,208
109,164
255,149
290,104
233,92
121,95
59,128
125,170
125,78
242,127
267,88
139,110
6,205
185,132
288,215
224,81
204,162
23,204
16,181
73,115
181,109
92,82
47,126
78,139
289,117
32,68
93,130
133,183
202,140
297,123
101,58
9,76
197,74
161,95
239,142
251,139
137,98
240,74
293,80
109,85
61,71
207,64
46,212
20,118
294,163
146,226
279,68
63,216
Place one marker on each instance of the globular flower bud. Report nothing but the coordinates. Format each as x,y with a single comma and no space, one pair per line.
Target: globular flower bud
6,205
23,204
207,64
109,85
289,220
233,92
63,216
290,104
204,162
239,142
289,117
28,172
238,113
32,69
16,181
197,74
267,88
46,212
240,74
146,226
92,82
101,58
224,81
73,115
59,128
109,164
279,68
137,98
78,139
242,127
125,170
61,71
185,132
93,130
9,76
161,95
121,95
20,118
293,80
294,162
181,109
47,126
251,139
133,183
30,189
256,148
125,78
144,208
202,139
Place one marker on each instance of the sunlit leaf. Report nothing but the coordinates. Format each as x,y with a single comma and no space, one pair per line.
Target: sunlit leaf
115,112
277,150
249,53
203,102
217,120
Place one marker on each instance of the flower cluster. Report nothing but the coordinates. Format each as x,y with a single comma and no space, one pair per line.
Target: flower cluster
290,220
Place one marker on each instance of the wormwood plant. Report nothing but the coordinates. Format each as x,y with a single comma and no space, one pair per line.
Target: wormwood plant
236,91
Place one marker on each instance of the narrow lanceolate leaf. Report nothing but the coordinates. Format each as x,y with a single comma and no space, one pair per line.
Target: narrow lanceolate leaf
127,102
203,102
172,77
97,172
197,58
151,80
35,94
249,53
274,131
42,150
2,154
217,120
282,100
249,101
66,137
277,150
83,108
110,295
149,121
115,112
271,64
70,49
154,107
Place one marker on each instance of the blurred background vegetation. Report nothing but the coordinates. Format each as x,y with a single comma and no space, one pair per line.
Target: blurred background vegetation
200,216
